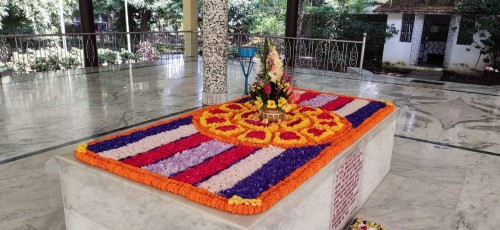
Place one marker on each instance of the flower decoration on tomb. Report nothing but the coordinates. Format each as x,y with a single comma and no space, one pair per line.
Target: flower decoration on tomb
227,157
272,92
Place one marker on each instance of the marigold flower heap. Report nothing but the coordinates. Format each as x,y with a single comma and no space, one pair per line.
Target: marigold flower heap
273,86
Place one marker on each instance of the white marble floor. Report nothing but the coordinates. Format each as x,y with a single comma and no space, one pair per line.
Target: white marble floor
444,173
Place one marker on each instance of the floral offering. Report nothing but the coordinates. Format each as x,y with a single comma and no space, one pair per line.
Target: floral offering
361,224
273,86
225,157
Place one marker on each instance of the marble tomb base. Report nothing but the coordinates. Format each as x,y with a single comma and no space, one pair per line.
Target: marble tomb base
97,199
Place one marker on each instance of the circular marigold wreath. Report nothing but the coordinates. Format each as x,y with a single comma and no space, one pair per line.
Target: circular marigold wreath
239,124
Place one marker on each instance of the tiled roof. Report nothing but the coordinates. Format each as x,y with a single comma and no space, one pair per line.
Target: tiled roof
417,6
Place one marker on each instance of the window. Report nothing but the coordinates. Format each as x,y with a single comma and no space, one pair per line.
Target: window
466,30
407,27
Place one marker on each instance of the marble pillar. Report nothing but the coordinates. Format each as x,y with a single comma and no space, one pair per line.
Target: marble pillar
454,23
215,44
190,23
418,29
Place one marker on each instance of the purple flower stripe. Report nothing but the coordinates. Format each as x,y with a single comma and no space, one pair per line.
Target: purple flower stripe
273,172
357,118
188,158
136,136
318,101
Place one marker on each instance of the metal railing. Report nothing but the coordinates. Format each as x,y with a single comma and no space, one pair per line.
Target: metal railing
308,53
25,53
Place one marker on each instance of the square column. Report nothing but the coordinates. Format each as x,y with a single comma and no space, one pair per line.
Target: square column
215,44
454,23
418,29
89,41
190,23
292,16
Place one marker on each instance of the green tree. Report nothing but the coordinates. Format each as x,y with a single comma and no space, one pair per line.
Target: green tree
143,13
344,20
32,16
270,17
486,22
241,16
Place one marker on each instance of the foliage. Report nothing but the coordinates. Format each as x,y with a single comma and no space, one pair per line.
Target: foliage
358,6
13,22
486,24
257,16
127,56
241,16
69,62
172,14
340,21
55,58
269,17
74,59
146,51
30,16
44,59
42,64
42,16
107,56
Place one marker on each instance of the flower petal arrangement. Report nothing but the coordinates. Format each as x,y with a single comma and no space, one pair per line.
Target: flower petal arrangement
273,84
224,157
361,224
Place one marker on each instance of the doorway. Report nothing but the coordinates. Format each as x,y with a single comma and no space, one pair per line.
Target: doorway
434,40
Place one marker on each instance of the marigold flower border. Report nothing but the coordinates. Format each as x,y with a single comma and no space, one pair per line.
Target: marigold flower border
202,196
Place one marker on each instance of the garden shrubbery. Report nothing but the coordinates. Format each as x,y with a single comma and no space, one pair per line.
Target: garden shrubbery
56,58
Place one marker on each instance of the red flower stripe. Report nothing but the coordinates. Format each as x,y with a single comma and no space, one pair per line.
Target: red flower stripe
306,96
214,165
166,151
337,104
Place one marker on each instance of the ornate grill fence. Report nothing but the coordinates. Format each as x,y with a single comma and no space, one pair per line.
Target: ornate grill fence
45,52
25,53
308,53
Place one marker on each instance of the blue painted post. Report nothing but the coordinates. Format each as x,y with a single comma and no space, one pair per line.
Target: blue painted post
246,54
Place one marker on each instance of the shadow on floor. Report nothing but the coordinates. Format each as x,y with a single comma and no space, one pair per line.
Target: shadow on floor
488,78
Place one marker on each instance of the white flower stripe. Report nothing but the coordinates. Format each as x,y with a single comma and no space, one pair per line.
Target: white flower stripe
239,171
150,142
352,107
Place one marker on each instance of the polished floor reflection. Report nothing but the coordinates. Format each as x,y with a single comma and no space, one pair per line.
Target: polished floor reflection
444,173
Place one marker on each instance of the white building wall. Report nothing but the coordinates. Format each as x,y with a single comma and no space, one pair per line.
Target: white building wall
396,53
464,61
